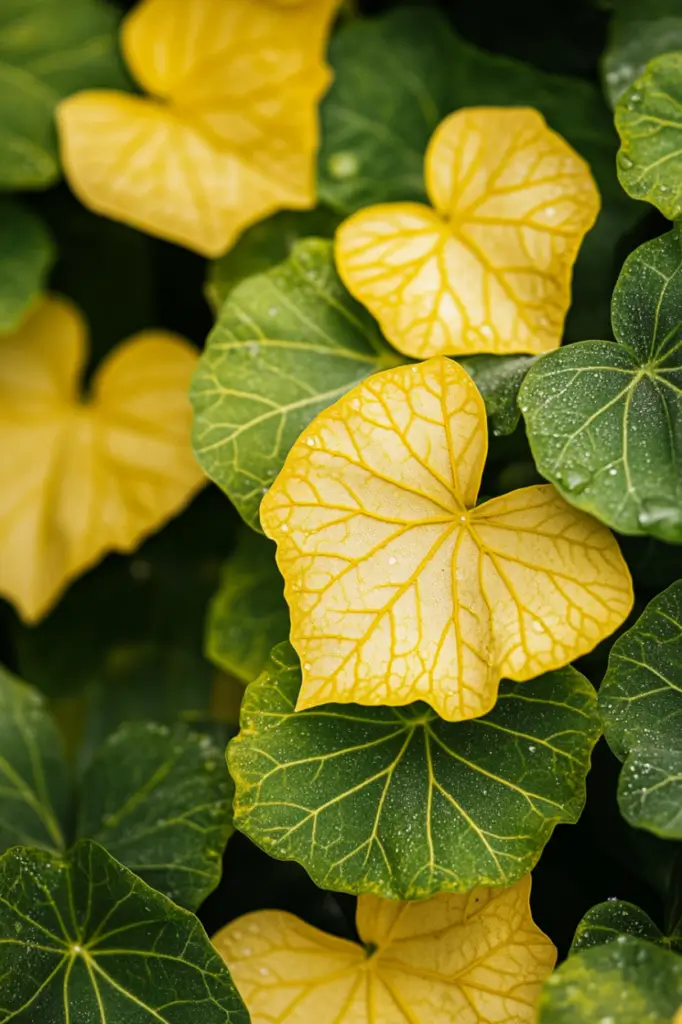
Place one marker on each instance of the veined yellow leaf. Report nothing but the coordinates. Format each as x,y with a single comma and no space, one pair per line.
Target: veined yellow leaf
81,477
229,132
451,959
400,587
489,267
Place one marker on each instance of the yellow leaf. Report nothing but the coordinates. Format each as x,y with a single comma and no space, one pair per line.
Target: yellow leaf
400,587
81,477
452,959
489,268
229,133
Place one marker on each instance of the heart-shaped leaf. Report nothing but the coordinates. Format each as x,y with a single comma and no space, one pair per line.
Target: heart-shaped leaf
641,704
628,981
248,614
83,478
400,803
229,132
400,586
487,267
474,957
607,922
84,939
26,254
604,419
287,344
649,122
158,798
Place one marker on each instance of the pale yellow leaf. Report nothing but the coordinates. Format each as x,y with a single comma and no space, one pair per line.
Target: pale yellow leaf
230,131
400,587
83,476
452,959
489,268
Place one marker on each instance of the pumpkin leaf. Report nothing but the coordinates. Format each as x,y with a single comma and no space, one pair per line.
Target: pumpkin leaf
628,981
205,155
84,938
400,587
341,789
486,268
263,246
86,478
248,614
450,954
47,51
641,705
604,419
608,921
35,788
287,344
158,798
26,255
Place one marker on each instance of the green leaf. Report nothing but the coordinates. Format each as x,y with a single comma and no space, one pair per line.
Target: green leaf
160,800
641,704
84,939
248,615
26,255
48,50
624,982
635,38
649,122
34,785
264,246
499,378
606,922
397,802
604,419
288,343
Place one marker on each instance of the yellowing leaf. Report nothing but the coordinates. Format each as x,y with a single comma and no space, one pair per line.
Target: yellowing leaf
489,268
80,477
400,587
452,959
229,133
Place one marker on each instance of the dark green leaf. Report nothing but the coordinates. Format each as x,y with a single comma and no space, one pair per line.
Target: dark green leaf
85,940
634,40
396,801
28,142
606,922
288,343
160,800
248,615
26,254
264,246
624,982
34,784
649,122
604,419
499,378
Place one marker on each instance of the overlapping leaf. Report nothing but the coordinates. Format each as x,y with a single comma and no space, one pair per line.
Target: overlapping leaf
229,132
287,344
604,419
248,614
400,587
641,704
400,803
82,478
607,922
26,253
637,34
84,939
499,378
451,958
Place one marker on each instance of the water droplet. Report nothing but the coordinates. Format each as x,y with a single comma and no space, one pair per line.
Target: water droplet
285,528
661,517
264,972
613,471
343,165
273,311
531,748
487,331
355,404
661,188
307,666
577,479
310,441
624,162
253,348
538,627
392,560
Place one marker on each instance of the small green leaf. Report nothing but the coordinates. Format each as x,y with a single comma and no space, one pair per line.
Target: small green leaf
35,789
159,799
607,921
635,38
84,939
499,378
288,343
604,419
397,802
248,615
624,982
264,246
649,122
650,790
28,141
26,254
